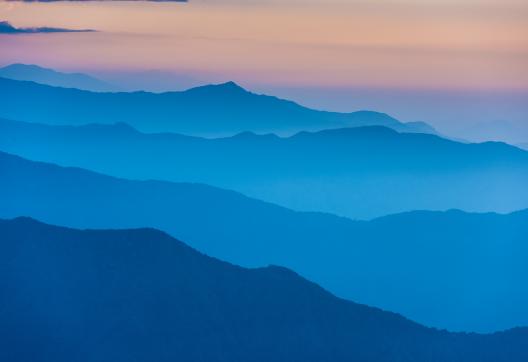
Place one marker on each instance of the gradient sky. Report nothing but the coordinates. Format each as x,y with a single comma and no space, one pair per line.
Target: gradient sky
429,45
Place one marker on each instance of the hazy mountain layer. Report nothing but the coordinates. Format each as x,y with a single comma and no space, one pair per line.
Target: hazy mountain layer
451,270
223,109
51,77
357,172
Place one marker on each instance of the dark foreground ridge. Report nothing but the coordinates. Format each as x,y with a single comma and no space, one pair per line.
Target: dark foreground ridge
140,295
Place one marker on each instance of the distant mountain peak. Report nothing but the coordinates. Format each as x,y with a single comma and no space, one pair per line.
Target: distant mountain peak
47,76
380,118
231,84
225,88
21,67
25,66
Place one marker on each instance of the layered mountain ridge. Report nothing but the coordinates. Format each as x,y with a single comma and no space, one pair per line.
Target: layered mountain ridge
212,110
46,76
445,269
141,295
361,172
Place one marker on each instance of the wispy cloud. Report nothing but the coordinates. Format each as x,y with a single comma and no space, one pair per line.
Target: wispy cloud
7,28
50,1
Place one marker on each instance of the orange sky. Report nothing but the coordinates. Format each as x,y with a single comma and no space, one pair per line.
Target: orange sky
475,44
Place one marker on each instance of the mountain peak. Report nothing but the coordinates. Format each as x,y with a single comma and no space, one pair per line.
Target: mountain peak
47,76
24,66
231,85
227,87
34,69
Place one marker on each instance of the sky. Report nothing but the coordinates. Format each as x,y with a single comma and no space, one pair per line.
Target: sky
332,54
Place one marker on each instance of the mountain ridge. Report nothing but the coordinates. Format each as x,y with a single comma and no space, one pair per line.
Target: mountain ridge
346,257
129,284
229,109
358,172
51,77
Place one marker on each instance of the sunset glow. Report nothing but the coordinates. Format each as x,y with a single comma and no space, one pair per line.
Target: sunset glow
433,44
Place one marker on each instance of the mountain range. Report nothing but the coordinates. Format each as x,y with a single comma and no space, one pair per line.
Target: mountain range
34,73
212,110
140,295
450,270
361,172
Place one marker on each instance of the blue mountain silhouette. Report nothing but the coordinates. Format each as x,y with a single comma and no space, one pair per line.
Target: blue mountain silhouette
445,269
140,295
34,73
222,109
361,172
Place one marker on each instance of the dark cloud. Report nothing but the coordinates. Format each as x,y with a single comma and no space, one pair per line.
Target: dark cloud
7,28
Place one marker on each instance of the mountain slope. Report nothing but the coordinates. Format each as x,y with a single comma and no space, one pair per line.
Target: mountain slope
34,73
524,146
140,295
450,270
223,109
362,172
